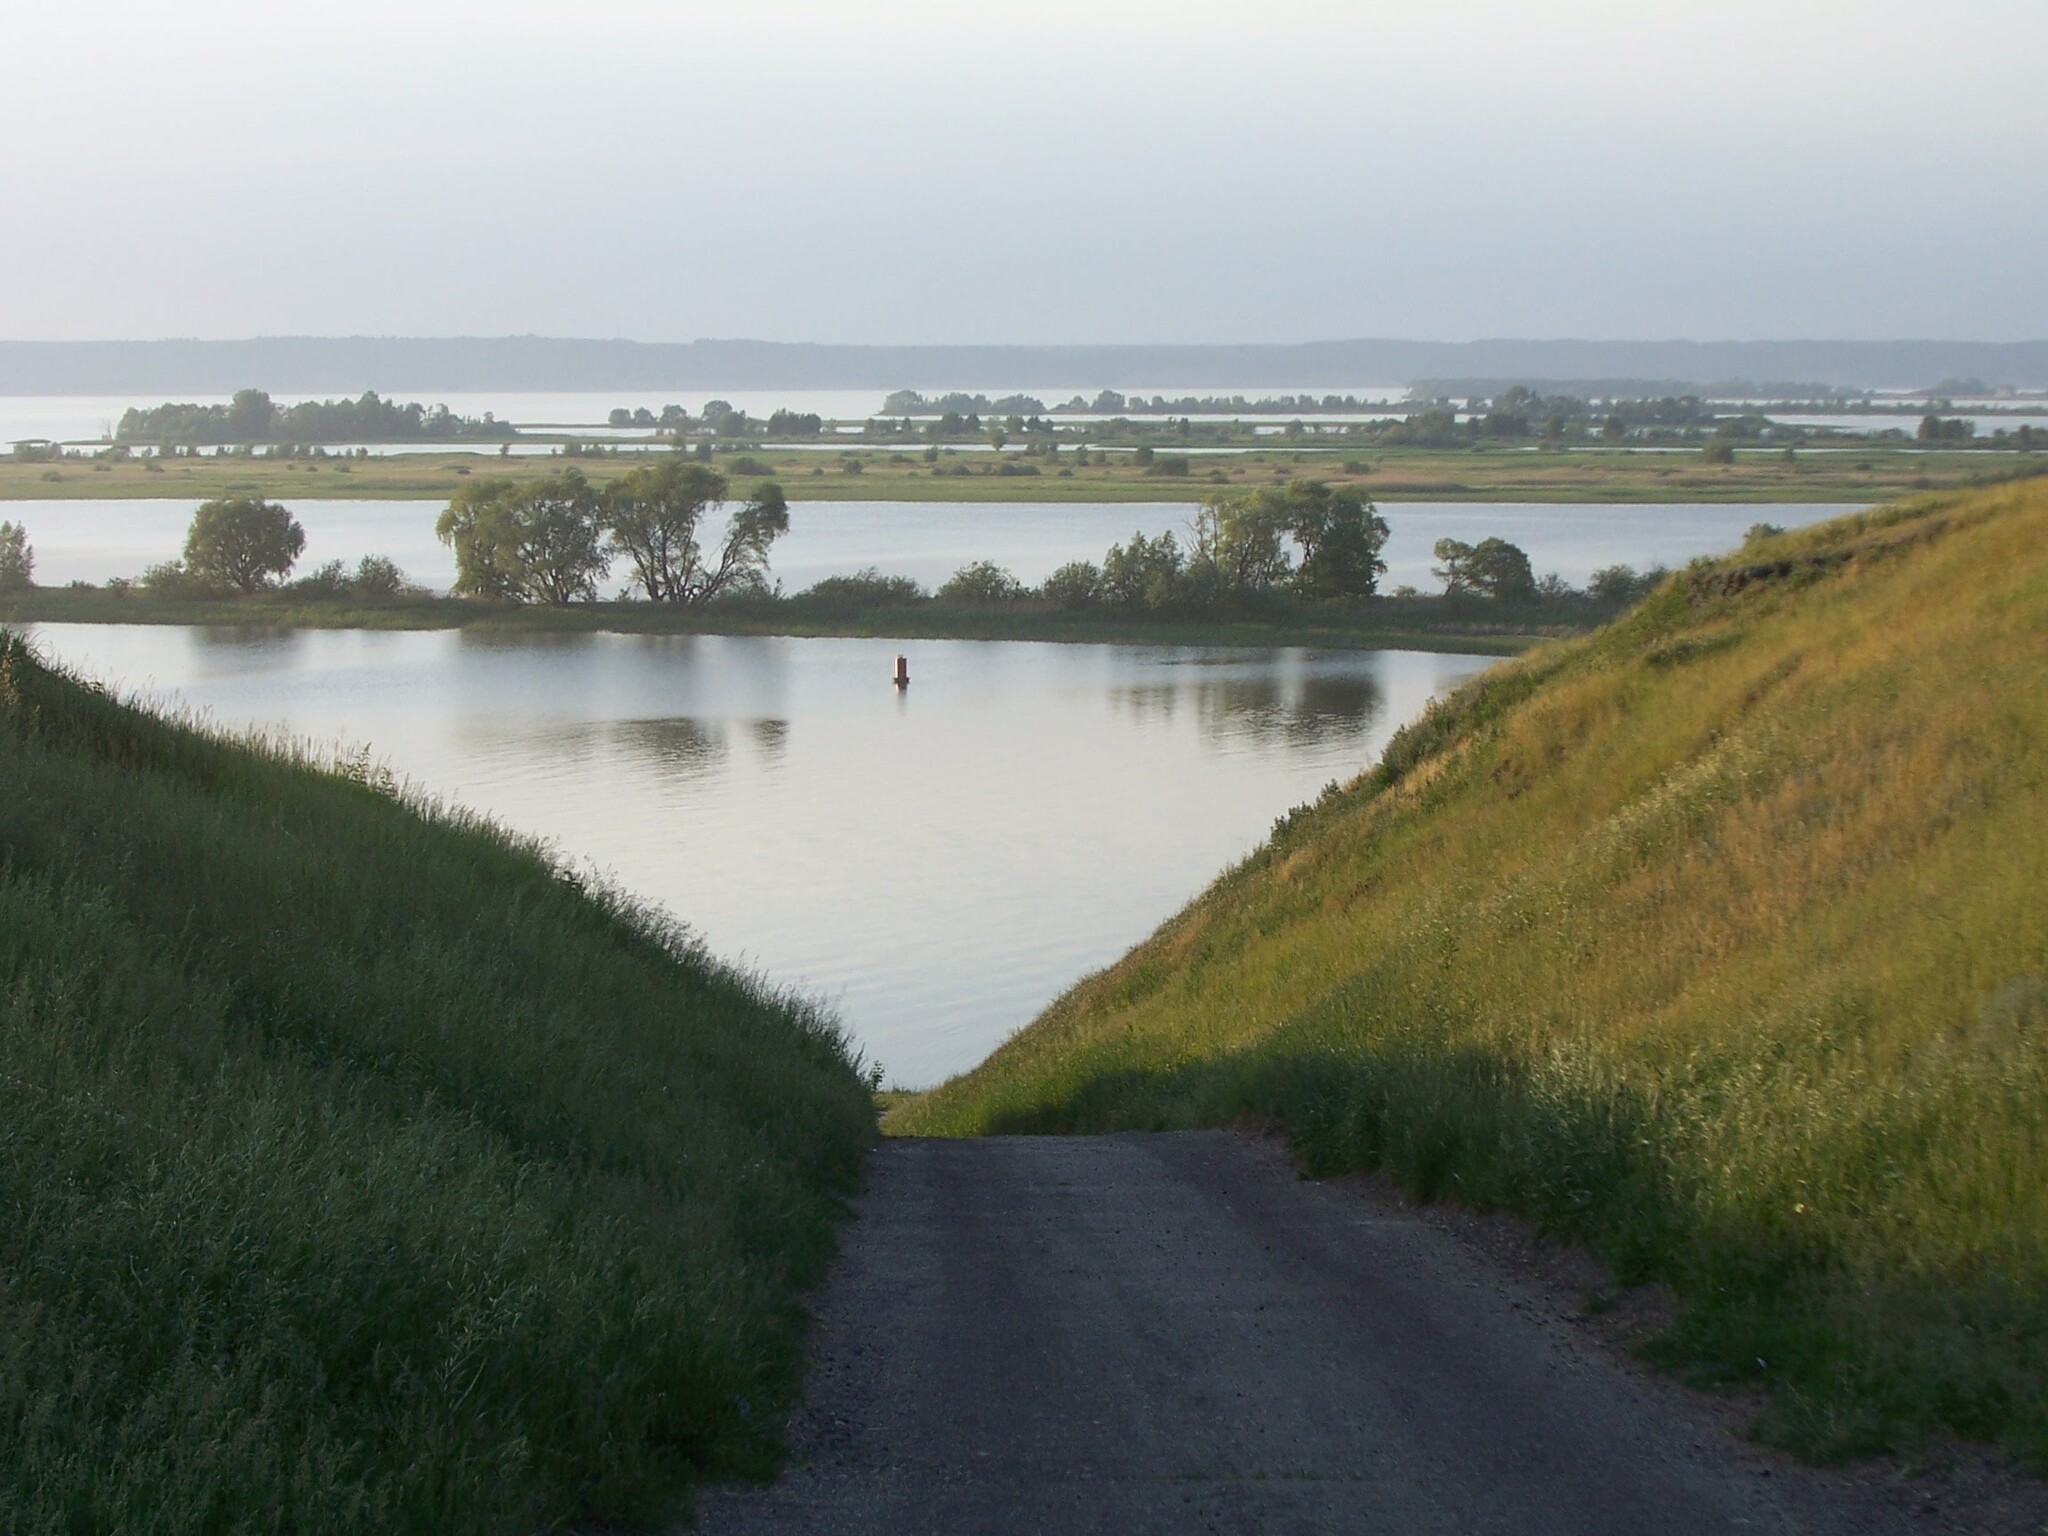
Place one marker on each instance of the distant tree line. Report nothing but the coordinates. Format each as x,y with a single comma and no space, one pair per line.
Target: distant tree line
552,539
908,402
253,417
1110,402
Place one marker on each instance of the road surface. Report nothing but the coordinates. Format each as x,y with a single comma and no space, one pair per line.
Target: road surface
1138,1334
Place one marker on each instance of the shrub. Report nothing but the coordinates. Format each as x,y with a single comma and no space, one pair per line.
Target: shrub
864,589
981,584
1075,585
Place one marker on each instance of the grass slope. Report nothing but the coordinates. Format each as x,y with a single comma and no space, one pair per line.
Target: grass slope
361,1172
1718,938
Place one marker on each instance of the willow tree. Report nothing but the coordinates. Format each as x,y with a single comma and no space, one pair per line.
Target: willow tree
528,541
655,514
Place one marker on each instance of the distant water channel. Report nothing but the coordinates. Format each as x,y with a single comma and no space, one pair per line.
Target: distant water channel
937,864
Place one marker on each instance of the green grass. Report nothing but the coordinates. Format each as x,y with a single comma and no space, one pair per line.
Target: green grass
1717,939
361,1171
1486,472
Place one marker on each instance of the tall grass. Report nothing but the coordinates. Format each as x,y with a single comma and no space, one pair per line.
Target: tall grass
362,1172
1718,938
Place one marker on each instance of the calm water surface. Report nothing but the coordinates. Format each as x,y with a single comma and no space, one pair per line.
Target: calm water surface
939,864
94,540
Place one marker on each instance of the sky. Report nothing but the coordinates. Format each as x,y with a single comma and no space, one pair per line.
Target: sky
912,171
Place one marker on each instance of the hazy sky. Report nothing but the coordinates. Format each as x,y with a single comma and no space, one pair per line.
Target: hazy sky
900,172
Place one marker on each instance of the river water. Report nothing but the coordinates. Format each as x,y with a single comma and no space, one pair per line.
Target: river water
938,863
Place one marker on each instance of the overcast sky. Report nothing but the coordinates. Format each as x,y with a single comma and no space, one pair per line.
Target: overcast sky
926,172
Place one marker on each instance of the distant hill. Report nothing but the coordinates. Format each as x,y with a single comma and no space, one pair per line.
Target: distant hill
1715,939
351,364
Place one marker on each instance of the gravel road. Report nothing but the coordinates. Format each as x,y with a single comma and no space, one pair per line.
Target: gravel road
1172,1333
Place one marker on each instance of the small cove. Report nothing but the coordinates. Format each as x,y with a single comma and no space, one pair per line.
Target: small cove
936,864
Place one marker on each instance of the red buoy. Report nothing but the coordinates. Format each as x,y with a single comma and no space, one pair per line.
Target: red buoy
902,671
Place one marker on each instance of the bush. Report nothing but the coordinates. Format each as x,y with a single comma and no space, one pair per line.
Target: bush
1624,584
378,577
323,583
1075,585
170,578
1717,452
862,590
984,583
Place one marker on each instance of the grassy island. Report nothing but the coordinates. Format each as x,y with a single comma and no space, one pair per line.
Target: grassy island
1715,939
1482,472
364,1171
1428,622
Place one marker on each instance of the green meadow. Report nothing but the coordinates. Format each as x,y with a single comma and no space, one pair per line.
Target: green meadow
1487,472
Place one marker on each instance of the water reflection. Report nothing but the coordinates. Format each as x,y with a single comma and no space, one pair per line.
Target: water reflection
685,748
937,863
1262,703
771,739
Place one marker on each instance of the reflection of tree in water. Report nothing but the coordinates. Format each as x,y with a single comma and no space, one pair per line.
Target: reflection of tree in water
771,739
1290,708
686,748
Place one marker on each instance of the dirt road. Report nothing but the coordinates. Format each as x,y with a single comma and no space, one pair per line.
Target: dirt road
1139,1334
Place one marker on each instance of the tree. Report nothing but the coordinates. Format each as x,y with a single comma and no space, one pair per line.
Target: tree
249,416
242,542
1075,585
1244,544
981,584
1340,534
537,541
1242,540
1145,573
653,513
1491,568
17,560
475,526
743,559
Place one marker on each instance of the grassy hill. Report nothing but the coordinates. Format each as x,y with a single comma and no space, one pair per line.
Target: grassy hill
361,1172
1718,938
